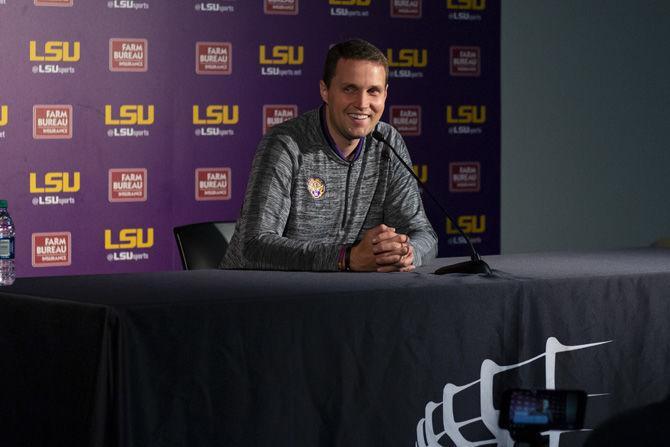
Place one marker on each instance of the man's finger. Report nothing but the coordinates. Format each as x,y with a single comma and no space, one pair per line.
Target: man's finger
383,235
389,235
390,248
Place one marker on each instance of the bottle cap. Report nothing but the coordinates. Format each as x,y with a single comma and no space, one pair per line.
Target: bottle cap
3,203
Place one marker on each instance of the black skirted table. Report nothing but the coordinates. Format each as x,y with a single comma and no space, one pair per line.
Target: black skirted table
245,358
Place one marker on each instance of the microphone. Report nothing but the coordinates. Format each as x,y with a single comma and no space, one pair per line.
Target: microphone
476,264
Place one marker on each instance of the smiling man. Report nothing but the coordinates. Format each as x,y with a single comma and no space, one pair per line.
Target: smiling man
323,194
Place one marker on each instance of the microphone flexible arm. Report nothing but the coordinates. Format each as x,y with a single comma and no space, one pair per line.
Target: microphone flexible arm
476,264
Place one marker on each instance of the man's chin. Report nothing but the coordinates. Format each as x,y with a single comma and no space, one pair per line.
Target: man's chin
360,132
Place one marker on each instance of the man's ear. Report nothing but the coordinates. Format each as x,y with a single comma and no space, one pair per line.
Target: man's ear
323,89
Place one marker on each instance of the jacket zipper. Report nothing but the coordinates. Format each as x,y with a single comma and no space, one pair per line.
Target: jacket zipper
346,197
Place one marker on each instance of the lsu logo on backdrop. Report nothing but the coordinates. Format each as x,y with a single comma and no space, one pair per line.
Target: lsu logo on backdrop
215,7
406,119
213,58
289,7
52,121
215,115
406,9
466,114
127,185
282,55
277,114
466,119
127,239
128,54
464,61
469,5
470,224
465,176
421,171
404,63
64,3
51,249
407,57
127,4
129,115
466,10
53,183
55,51
350,8
212,184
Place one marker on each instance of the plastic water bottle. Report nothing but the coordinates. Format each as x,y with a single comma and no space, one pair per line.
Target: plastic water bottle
7,272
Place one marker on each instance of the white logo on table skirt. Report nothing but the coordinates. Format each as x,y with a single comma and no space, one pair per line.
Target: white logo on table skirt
427,436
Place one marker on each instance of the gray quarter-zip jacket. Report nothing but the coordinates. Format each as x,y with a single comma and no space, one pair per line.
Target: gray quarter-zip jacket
303,201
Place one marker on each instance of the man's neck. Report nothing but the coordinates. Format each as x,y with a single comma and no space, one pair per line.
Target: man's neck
344,146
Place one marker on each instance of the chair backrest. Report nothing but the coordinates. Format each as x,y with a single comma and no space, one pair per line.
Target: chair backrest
202,245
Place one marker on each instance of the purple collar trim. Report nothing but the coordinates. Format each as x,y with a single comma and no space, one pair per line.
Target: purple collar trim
324,128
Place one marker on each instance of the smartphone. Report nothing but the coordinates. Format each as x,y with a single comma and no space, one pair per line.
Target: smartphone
542,410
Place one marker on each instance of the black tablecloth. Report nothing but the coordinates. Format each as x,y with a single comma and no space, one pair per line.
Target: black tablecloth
228,358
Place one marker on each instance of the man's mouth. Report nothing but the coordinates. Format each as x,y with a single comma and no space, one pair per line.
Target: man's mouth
358,116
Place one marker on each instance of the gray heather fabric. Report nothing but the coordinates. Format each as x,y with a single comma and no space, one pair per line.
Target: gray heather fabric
284,227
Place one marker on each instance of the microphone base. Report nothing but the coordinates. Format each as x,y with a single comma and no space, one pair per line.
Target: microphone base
471,267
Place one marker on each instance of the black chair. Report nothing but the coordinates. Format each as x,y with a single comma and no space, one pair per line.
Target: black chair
202,245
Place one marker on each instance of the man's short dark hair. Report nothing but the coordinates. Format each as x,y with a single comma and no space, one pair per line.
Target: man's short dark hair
356,49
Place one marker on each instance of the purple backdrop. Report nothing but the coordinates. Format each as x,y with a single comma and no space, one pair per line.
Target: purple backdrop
101,143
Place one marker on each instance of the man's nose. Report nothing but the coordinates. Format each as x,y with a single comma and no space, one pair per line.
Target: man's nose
362,100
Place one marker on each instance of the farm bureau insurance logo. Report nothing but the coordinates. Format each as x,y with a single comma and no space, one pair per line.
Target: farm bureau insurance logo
128,115
349,8
54,51
214,120
52,121
465,176
465,61
47,186
128,244
470,224
467,119
213,58
51,249
274,114
221,6
406,9
406,119
127,185
283,7
128,54
4,118
466,10
212,184
407,62
430,435
62,3
127,4
273,58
